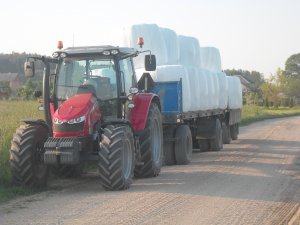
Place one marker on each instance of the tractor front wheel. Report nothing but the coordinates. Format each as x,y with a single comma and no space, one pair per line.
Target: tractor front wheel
117,157
26,156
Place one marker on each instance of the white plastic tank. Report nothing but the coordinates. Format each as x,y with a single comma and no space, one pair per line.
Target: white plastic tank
153,41
216,96
223,90
194,81
211,89
235,97
172,46
189,48
210,59
203,89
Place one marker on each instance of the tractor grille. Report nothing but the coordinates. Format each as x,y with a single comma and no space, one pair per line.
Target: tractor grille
65,127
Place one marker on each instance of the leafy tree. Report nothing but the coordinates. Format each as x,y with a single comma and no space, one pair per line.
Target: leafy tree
27,92
5,90
292,65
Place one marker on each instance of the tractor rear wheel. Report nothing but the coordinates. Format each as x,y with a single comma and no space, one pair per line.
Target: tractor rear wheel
183,145
151,145
26,156
117,157
216,144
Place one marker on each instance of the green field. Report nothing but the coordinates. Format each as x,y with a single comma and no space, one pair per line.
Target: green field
11,112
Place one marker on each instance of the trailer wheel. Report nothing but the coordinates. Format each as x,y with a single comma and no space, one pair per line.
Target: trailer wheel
117,157
216,144
67,171
26,156
226,133
151,145
169,146
183,145
234,131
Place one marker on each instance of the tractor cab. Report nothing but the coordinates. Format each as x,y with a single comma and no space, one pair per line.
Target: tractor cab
106,71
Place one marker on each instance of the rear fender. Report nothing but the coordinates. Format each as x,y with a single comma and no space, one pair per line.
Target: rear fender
139,114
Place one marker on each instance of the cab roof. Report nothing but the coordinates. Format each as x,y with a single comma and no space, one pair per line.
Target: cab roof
97,51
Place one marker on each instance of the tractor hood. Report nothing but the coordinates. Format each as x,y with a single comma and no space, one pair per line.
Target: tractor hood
76,116
76,106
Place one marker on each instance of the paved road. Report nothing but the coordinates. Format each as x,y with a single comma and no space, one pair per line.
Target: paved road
255,180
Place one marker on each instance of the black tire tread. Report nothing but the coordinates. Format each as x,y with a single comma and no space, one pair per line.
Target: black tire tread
183,152
110,162
22,155
149,167
215,142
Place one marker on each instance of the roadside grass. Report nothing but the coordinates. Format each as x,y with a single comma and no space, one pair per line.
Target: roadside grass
11,112
252,113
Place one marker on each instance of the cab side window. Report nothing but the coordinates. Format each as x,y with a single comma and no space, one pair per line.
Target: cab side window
127,75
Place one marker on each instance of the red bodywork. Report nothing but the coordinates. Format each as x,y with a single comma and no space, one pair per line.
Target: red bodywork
139,114
79,105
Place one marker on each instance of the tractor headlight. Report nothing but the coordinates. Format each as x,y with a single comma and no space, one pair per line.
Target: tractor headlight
76,120
57,121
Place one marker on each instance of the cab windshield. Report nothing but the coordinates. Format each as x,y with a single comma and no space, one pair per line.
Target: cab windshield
98,73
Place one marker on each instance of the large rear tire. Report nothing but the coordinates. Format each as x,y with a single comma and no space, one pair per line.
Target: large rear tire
169,146
216,144
183,145
151,145
26,156
117,157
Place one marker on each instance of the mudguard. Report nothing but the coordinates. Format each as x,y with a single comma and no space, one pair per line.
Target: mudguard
36,122
139,114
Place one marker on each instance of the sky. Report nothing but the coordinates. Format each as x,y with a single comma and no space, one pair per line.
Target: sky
251,34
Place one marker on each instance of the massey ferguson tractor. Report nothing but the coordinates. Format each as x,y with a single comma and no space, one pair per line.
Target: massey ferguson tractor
94,111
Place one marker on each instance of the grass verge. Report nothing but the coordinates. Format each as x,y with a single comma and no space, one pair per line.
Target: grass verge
11,113
253,113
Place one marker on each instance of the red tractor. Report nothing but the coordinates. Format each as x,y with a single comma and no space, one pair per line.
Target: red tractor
93,112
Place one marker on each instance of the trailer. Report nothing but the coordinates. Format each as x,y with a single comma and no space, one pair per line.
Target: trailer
206,130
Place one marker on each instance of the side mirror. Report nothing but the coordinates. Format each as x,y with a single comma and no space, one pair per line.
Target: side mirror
150,62
29,69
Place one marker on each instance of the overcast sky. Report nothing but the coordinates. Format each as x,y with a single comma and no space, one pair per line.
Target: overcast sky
251,34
